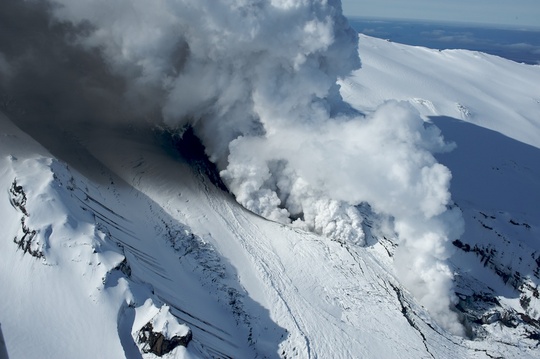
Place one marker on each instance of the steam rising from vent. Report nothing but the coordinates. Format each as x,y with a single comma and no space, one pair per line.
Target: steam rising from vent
256,80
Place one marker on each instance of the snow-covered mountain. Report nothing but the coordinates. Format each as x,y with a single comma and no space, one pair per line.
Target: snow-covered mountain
121,238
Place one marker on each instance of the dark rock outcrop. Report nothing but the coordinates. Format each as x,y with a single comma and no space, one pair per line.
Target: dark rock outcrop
156,343
27,240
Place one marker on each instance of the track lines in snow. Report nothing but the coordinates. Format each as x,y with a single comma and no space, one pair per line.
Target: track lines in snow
266,263
121,233
309,308
201,327
101,205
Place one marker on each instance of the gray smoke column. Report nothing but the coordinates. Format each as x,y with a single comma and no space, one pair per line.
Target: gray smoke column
257,81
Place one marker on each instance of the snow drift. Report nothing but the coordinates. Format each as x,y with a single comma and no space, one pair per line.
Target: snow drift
257,81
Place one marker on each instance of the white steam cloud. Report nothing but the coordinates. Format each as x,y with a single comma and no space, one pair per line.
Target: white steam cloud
257,80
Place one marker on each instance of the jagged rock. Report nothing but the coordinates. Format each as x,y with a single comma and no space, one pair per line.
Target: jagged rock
156,342
506,318
17,197
162,334
27,241
124,267
490,318
463,246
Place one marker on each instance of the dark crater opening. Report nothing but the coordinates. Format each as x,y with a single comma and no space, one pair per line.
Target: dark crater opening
191,149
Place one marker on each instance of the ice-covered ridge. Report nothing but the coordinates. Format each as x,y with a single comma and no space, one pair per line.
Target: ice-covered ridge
482,89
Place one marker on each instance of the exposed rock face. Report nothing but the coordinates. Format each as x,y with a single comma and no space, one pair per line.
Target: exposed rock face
156,342
18,197
503,244
26,240
162,334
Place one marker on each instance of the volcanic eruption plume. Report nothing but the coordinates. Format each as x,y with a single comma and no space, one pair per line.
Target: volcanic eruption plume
256,80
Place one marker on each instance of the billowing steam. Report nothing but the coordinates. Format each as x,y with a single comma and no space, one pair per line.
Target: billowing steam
256,79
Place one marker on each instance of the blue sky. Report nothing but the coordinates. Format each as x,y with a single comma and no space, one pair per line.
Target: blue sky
503,12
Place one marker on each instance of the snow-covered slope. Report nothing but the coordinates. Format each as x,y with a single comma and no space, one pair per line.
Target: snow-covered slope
485,90
87,257
488,106
106,254
117,236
